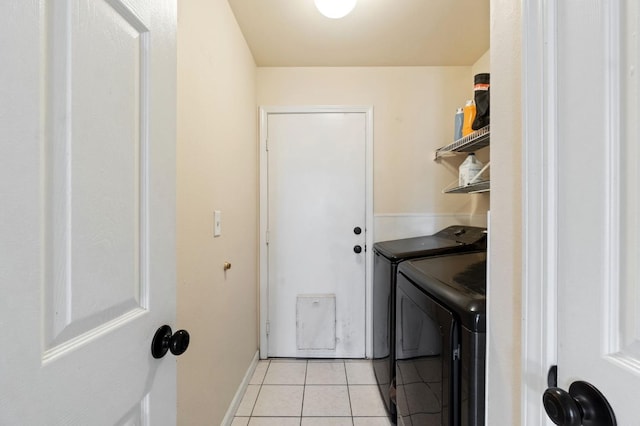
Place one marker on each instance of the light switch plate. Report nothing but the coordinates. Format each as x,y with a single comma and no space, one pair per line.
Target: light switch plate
217,223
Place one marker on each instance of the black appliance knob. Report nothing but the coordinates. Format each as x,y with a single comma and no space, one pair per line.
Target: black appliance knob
357,230
164,340
357,249
583,405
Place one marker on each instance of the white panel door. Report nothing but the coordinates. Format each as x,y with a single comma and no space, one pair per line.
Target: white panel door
316,198
87,223
598,209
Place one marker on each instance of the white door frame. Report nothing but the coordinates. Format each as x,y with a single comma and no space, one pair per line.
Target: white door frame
540,170
264,305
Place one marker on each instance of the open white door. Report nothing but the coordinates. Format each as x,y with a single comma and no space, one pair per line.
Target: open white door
583,212
87,172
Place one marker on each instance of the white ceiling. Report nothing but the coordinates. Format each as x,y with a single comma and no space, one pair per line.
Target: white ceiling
376,33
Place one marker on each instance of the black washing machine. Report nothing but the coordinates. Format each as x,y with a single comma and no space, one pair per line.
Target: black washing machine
441,339
387,256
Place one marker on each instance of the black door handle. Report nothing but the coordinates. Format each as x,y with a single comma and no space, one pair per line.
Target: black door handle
164,340
357,230
583,405
357,249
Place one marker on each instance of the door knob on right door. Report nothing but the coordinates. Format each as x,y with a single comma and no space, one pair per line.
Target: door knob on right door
583,405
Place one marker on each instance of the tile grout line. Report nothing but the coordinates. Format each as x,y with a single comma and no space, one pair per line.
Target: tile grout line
304,390
346,378
259,391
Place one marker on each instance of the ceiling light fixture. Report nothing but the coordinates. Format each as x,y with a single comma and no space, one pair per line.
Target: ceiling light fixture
335,9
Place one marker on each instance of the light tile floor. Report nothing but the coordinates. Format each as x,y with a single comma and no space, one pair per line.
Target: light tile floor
312,393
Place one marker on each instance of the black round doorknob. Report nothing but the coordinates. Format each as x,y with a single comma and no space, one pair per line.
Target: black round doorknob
357,230
164,340
561,408
179,342
357,249
583,405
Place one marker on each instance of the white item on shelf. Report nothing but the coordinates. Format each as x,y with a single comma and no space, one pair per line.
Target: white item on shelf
469,170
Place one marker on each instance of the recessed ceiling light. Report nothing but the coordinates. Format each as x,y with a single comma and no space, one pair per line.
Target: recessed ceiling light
335,9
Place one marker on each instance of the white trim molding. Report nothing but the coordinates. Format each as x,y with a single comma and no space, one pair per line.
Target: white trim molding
264,111
393,226
237,398
539,330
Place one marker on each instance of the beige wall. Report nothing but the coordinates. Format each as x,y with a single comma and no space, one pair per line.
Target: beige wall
506,199
217,170
414,111
483,64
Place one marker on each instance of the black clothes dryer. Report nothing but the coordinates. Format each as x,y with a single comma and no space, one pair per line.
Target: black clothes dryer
441,339
387,257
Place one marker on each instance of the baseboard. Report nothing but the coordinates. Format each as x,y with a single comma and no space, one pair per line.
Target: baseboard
235,402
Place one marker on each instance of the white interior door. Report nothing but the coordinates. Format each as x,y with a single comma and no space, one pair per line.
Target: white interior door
594,175
316,198
87,165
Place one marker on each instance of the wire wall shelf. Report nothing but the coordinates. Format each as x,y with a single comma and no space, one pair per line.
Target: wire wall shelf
472,142
472,188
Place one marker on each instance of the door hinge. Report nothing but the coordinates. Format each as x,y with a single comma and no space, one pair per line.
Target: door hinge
268,327
267,238
266,145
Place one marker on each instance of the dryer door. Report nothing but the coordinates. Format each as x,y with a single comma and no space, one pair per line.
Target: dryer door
384,326
427,359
